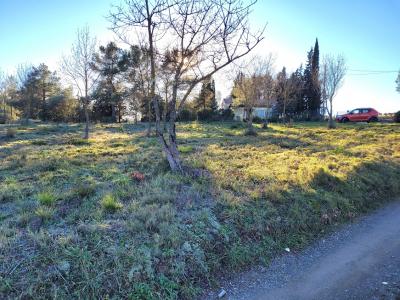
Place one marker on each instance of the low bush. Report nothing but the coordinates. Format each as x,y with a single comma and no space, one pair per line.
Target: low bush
186,115
206,115
397,117
257,120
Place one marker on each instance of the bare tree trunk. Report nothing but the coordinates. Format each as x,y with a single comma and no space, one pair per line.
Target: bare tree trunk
172,151
164,116
86,135
331,122
250,120
284,111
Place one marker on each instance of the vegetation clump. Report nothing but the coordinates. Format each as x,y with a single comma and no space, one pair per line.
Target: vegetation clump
110,203
46,198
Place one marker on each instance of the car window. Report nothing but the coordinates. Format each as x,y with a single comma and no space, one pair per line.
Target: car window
366,111
355,111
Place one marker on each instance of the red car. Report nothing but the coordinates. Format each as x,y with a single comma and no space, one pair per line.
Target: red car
359,115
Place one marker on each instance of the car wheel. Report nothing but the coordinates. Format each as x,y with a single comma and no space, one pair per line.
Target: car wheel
345,120
373,119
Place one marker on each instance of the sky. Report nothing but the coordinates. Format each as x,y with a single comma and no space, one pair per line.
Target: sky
365,32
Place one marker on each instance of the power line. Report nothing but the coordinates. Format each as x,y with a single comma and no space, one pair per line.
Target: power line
367,74
372,71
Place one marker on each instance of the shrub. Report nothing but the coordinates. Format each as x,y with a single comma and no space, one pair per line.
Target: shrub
397,117
109,203
205,115
11,132
250,132
186,115
257,120
46,198
226,114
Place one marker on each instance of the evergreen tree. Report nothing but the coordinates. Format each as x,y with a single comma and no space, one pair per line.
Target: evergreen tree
307,83
38,85
300,106
312,88
48,86
110,62
207,98
281,79
315,99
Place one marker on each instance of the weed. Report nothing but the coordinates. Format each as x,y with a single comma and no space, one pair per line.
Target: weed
78,142
110,203
46,198
44,213
10,190
84,188
185,149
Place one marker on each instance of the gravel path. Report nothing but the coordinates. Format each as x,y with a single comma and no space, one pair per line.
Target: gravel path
359,261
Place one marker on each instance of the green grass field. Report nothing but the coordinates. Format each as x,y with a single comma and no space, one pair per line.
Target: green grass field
75,222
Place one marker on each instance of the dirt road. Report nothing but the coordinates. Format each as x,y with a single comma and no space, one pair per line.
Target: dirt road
359,261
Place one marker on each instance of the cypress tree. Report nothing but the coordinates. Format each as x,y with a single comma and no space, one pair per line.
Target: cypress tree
312,88
307,79
315,103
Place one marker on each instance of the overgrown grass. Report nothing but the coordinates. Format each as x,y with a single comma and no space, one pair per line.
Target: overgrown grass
110,203
105,218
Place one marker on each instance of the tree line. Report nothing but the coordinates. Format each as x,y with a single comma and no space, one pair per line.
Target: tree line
305,94
109,84
173,49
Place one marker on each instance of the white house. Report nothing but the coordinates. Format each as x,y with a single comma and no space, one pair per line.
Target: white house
240,113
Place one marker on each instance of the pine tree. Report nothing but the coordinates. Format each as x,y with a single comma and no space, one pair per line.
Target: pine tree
109,63
48,85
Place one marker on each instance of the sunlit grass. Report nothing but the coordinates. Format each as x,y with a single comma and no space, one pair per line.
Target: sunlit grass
64,199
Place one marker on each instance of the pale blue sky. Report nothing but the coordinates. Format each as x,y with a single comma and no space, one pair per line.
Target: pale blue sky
366,32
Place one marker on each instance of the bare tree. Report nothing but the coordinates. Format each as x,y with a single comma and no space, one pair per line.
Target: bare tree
334,70
8,93
398,82
77,68
201,38
254,85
